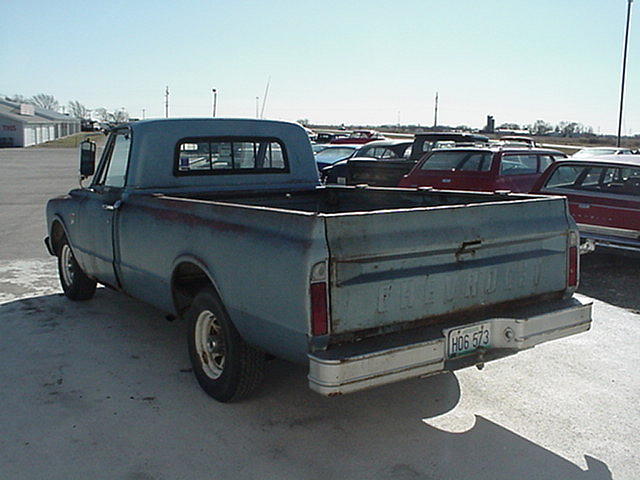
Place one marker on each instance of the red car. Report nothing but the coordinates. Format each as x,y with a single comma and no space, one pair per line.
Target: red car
358,137
604,198
486,169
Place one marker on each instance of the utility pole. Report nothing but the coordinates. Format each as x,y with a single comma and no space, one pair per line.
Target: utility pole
257,107
166,102
624,69
264,99
215,100
435,116
143,110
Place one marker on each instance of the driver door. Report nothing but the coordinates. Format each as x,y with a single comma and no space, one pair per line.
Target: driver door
99,209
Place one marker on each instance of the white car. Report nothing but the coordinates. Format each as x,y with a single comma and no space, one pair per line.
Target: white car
599,151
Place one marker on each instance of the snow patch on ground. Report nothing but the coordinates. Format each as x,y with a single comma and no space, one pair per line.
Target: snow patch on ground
28,278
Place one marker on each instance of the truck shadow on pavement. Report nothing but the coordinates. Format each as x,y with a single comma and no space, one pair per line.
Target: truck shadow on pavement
612,278
113,365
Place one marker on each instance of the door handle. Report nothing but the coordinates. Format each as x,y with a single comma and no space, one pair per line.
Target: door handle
115,206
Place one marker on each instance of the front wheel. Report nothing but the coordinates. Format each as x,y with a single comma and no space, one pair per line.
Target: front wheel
226,367
75,283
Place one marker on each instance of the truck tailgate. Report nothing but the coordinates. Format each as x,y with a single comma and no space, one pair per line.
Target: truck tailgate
394,266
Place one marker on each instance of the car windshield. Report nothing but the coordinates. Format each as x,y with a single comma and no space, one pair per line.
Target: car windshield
334,154
462,161
609,179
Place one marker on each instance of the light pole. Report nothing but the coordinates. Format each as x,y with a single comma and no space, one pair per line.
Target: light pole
624,69
143,110
215,100
435,112
257,107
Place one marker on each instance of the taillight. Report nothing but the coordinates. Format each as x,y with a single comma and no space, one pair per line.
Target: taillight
319,306
572,261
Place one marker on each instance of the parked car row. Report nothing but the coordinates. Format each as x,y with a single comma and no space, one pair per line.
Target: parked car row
602,184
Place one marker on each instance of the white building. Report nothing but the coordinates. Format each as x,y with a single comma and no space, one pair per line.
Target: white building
23,125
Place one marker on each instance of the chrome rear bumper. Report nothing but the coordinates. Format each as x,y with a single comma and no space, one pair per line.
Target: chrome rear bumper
378,361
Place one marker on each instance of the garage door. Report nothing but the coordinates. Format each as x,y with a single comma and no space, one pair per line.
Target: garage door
29,136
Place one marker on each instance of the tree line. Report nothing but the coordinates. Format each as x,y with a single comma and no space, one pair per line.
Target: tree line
73,108
562,129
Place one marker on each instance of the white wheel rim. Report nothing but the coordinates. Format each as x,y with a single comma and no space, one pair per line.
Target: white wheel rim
210,345
66,261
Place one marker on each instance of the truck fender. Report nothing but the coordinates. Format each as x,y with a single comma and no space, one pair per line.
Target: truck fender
57,218
181,302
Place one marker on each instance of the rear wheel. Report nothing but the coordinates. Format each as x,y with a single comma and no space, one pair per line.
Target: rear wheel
226,367
75,283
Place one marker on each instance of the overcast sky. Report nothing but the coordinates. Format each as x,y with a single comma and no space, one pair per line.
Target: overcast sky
331,61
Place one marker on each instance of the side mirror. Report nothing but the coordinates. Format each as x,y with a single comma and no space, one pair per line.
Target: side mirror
87,158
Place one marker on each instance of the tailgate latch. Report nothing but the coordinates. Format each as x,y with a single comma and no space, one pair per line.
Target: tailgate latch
467,248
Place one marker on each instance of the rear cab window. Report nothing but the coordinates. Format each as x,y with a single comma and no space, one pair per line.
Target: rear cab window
230,155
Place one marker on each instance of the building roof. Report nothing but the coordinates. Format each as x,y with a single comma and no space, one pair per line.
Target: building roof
40,112
12,113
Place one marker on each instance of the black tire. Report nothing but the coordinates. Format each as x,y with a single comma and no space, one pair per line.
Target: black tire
75,283
226,367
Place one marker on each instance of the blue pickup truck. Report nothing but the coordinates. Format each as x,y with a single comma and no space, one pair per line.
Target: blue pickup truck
223,222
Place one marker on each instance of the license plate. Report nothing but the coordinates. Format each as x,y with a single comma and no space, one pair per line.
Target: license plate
468,339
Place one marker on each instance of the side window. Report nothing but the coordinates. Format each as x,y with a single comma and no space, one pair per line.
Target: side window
545,161
365,152
408,151
610,180
591,179
519,165
375,152
114,170
565,176
388,153
476,162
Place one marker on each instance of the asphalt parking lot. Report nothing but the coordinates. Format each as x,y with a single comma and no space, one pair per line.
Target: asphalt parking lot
103,389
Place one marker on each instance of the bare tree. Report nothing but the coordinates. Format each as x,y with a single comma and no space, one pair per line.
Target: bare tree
19,99
45,101
101,114
119,116
510,126
540,127
570,129
78,110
